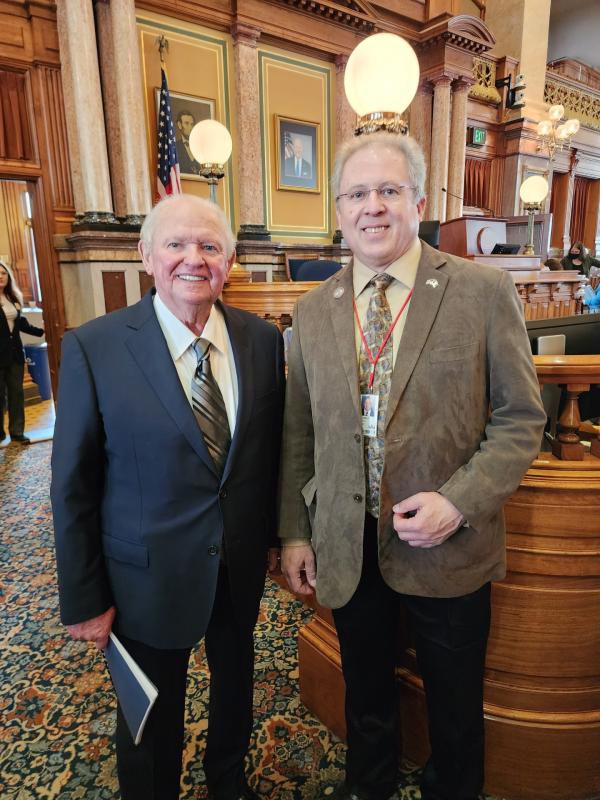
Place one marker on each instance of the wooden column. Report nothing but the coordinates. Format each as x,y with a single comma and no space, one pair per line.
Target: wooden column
458,146
84,112
566,235
249,155
440,141
120,64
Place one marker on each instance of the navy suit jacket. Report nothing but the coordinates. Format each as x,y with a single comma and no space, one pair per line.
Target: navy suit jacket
139,511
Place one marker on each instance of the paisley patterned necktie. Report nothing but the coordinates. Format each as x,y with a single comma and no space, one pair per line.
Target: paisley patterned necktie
377,324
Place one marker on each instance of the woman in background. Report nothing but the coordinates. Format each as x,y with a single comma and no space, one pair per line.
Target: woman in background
578,258
12,359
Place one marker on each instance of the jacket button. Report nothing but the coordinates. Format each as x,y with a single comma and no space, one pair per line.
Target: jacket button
358,498
213,550
357,437
223,494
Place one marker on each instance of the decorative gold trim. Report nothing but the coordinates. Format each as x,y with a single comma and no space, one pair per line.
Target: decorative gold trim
484,73
583,105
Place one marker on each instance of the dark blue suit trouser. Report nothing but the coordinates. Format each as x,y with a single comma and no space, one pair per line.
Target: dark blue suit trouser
152,770
450,637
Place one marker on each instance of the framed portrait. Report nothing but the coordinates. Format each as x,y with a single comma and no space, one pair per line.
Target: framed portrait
187,110
298,150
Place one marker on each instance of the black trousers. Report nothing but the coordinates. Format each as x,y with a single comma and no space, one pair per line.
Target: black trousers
450,638
152,770
11,389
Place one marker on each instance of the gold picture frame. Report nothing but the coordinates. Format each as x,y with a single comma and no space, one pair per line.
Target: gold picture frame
298,155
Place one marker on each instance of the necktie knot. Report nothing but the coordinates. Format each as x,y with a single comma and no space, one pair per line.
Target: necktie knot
381,282
201,348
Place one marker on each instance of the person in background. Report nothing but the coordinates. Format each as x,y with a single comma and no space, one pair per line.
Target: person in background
12,358
405,512
579,259
553,264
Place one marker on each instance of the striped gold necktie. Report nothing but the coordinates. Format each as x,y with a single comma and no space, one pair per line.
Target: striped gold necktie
209,407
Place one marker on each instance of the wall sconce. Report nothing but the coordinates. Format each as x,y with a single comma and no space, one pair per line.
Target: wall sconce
380,81
515,96
211,145
533,192
554,133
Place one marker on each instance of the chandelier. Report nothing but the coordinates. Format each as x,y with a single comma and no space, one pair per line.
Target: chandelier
556,133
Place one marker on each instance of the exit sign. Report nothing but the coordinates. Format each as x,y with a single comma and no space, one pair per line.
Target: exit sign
477,136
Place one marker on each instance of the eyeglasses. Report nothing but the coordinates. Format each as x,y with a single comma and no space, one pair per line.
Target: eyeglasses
389,193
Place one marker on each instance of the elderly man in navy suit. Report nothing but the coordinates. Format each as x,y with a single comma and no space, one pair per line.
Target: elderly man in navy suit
164,467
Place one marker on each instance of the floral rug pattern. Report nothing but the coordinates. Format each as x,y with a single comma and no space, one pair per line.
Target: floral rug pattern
56,702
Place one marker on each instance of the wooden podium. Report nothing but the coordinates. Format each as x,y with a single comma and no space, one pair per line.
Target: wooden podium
475,237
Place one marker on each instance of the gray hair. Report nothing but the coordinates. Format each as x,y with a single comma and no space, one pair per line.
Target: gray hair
205,207
410,149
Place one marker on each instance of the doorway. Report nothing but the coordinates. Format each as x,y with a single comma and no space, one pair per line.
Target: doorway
18,250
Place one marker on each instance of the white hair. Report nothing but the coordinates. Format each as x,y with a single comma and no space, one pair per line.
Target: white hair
204,207
410,149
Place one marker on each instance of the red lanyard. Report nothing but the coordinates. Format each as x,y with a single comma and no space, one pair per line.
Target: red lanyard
372,360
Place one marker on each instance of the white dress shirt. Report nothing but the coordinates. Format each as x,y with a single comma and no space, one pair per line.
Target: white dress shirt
179,341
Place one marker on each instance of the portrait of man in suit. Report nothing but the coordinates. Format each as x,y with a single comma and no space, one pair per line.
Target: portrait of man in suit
406,512
184,122
295,164
165,465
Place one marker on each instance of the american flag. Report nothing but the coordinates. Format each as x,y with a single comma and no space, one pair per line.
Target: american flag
168,180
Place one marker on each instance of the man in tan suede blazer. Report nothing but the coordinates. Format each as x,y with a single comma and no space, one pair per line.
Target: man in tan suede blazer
407,509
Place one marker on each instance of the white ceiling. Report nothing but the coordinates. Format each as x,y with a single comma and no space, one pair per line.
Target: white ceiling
575,31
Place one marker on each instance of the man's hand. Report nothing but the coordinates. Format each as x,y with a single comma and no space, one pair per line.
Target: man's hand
431,519
299,566
94,630
274,561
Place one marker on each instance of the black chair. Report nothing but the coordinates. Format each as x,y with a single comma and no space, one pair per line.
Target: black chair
429,232
317,270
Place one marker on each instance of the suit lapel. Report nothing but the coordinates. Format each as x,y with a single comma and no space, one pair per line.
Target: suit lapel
149,348
341,313
430,285
241,344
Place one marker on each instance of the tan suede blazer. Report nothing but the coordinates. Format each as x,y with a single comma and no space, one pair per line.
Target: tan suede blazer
464,418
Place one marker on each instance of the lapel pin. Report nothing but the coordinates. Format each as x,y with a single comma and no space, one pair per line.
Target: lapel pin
432,282
338,292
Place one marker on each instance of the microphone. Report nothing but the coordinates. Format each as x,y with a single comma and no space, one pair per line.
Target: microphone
452,194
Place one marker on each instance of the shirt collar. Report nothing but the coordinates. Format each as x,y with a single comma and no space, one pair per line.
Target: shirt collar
403,269
179,337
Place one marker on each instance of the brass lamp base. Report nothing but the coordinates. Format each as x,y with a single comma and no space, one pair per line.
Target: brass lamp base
381,121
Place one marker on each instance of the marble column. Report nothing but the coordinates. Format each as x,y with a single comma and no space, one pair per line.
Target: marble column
84,114
249,155
122,86
345,116
440,141
420,124
458,146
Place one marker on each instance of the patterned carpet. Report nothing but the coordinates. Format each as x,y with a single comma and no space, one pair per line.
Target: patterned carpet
56,702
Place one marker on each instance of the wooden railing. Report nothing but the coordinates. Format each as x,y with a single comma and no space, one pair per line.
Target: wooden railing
575,374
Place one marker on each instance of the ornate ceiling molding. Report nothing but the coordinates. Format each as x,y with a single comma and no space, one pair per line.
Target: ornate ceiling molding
356,14
463,31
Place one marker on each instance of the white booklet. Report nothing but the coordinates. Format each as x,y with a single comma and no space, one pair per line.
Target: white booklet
135,690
